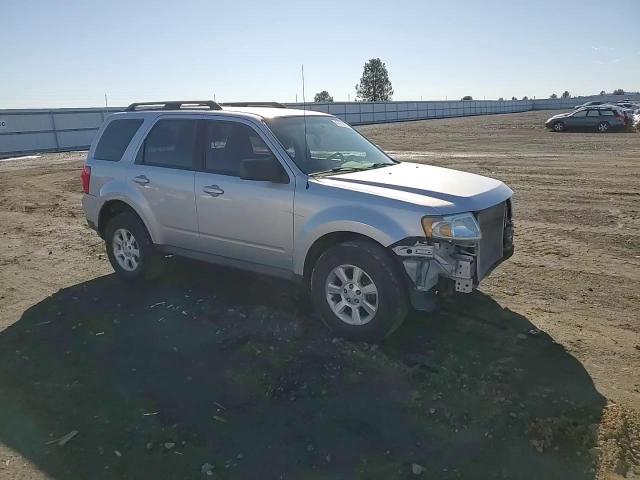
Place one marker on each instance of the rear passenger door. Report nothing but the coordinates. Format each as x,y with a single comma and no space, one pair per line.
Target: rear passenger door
164,173
593,118
246,220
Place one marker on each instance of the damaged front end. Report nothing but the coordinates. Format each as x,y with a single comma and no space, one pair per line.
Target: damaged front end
456,253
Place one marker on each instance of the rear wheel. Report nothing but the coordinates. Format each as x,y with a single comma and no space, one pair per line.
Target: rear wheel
358,291
130,249
559,127
604,127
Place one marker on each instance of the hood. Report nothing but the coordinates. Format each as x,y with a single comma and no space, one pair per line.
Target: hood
442,189
560,115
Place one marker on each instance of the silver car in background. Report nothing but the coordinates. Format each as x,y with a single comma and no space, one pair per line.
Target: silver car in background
296,195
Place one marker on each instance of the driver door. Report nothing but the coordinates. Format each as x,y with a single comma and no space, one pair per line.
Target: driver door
244,220
578,119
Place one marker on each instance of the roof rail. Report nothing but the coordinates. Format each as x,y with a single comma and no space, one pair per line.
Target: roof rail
254,104
173,105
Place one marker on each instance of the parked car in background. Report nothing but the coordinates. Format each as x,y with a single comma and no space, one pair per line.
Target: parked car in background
297,196
627,109
600,118
588,104
629,105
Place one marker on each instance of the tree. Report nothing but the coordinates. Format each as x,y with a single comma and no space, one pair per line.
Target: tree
603,92
501,99
374,85
566,94
553,96
323,96
525,98
467,97
618,91
513,98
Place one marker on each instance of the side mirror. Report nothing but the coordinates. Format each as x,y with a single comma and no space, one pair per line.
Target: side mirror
265,169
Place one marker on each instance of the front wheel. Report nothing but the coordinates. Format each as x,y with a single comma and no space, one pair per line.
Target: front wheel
559,127
603,127
358,291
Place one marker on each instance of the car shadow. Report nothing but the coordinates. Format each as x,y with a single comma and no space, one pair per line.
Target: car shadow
214,369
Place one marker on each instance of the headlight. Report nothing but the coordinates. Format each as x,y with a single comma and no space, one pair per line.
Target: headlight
454,227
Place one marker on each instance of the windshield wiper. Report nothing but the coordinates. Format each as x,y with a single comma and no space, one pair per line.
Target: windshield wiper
336,170
349,169
379,165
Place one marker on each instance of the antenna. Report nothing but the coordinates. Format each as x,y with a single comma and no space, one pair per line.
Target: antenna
304,116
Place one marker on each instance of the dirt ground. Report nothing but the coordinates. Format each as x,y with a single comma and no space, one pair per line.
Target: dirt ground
537,375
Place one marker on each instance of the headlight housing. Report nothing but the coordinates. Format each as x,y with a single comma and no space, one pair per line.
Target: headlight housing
462,226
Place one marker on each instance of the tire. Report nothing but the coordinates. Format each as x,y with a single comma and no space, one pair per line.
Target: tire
140,261
327,288
603,127
559,127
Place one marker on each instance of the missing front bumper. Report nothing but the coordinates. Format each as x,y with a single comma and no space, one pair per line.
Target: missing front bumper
424,264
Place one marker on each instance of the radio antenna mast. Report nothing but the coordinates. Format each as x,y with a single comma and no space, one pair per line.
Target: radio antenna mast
304,117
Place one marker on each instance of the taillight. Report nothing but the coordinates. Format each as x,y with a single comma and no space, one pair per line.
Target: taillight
86,178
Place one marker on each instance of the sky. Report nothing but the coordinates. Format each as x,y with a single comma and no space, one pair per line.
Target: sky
56,53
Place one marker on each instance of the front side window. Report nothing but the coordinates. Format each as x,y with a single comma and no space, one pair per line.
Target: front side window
115,139
228,143
171,144
331,144
580,113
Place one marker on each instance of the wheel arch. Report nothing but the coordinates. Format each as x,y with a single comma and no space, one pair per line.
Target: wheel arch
326,241
114,207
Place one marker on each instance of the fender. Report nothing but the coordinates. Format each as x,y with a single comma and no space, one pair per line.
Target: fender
356,219
121,190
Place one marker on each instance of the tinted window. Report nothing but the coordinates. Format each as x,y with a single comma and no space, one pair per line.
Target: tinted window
171,143
581,113
606,113
116,138
593,113
228,143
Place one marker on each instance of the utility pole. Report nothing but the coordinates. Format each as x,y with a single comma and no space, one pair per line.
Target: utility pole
106,101
296,98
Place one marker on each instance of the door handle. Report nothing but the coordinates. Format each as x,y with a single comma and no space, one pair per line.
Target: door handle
213,190
141,180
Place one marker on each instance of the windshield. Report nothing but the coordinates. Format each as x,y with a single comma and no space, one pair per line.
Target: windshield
331,145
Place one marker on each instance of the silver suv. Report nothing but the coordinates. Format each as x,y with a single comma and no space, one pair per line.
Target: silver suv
297,195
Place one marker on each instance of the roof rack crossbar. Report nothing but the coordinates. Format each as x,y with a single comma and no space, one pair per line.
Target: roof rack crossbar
173,105
253,104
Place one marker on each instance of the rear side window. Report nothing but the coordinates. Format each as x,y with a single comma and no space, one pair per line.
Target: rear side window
116,138
606,113
593,113
171,144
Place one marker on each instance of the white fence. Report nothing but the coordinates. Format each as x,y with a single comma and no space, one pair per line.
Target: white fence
65,129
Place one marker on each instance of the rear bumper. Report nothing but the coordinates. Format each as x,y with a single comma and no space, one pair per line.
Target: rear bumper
91,207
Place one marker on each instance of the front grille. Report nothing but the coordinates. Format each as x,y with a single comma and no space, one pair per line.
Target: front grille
491,246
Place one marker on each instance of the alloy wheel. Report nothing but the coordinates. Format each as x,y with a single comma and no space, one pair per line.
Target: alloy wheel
352,295
126,249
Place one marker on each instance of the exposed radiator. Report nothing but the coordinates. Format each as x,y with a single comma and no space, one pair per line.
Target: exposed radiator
491,221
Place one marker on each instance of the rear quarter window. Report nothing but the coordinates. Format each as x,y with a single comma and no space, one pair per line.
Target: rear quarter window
116,138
